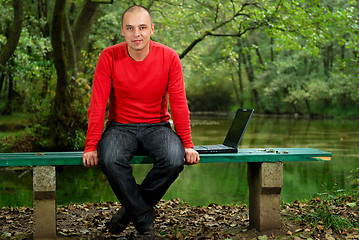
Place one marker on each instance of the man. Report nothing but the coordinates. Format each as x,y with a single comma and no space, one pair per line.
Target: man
138,76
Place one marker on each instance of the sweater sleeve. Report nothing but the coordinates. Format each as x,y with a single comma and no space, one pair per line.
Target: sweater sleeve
178,102
100,93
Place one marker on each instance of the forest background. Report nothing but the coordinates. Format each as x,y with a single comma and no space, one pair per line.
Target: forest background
292,57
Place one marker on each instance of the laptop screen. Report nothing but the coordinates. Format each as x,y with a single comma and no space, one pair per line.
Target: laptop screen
238,126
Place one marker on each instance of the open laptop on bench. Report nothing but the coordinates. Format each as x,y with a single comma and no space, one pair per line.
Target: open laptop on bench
234,135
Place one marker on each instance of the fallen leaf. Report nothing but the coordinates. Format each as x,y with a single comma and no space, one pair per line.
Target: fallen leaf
329,237
351,205
320,227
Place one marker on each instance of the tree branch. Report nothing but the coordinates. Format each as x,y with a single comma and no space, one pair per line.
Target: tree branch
225,35
150,4
83,24
193,44
9,48
210,32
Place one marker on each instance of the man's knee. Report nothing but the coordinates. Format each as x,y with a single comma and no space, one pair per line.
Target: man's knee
115,148
109,157
175,158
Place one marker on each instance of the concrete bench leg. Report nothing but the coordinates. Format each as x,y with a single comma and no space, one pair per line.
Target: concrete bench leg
44,187
265,182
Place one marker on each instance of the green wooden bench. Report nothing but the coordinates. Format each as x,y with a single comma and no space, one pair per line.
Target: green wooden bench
264,174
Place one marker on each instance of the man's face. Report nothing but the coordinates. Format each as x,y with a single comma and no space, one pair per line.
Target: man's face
137,28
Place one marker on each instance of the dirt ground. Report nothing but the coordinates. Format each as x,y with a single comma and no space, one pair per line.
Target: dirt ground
174,220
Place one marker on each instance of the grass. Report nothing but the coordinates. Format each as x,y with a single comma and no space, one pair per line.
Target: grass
11,127
11,134
324,215
15,118
337,210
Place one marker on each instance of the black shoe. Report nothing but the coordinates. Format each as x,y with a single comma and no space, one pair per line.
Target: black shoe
118,222
149,234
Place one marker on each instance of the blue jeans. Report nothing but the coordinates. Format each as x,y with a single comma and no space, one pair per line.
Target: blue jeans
118,144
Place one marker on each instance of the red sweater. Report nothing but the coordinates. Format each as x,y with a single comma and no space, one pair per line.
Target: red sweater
138,91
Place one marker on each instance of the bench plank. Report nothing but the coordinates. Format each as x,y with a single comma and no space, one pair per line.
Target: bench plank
243,155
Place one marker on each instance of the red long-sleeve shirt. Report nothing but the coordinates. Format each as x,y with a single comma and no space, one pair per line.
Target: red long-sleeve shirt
138,91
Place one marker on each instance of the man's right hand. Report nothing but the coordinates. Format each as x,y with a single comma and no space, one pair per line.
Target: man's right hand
90,159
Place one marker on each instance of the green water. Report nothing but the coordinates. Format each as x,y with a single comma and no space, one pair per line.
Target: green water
220,183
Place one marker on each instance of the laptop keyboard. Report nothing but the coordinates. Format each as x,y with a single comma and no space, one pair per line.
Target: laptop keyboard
217,146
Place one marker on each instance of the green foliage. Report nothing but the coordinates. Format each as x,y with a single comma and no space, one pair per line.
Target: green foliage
326,209
354,178
77,141
64,132
214,96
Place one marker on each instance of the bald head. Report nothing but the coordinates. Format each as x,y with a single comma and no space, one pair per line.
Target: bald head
137,9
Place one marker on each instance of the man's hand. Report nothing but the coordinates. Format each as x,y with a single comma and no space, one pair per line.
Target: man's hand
192,156
90,159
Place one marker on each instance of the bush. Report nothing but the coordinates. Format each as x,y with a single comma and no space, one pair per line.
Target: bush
210,97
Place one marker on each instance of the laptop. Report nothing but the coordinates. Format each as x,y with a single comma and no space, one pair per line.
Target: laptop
234,135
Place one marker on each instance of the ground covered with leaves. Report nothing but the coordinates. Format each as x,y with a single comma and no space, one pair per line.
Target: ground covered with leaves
323,217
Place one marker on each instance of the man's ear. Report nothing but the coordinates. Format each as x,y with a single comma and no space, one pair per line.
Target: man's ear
152,28
122,30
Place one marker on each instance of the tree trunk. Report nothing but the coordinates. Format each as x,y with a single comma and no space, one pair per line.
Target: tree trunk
70,47
276,97
9,48
46,76
271,49
342,52
328,59
308,108
42,13
62,99
240,81
236,92
2,78
250,75
247,61
10,96
83,25
260,59
60,117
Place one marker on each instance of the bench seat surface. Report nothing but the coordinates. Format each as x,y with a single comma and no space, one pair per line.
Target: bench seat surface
243,155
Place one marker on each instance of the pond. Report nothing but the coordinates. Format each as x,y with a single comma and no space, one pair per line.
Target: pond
225,183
